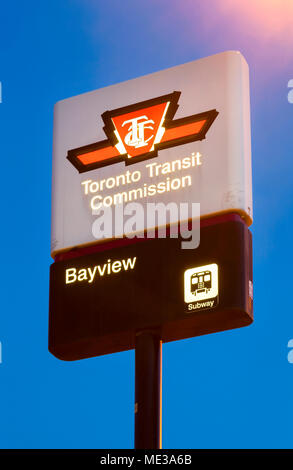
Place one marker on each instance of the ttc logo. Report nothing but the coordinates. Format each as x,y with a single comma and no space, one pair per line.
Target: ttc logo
137,132
135,136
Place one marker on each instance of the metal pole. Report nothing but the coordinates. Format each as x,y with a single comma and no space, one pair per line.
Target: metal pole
148,390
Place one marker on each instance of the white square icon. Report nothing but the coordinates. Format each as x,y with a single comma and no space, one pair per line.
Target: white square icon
201,283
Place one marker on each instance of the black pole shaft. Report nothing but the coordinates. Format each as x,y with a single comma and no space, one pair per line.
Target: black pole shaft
148,390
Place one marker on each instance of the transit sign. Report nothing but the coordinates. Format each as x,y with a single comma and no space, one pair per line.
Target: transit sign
133,163
181,135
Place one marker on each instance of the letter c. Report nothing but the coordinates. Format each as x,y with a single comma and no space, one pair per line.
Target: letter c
98,206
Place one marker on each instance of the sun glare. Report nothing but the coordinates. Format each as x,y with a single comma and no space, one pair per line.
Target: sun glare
273,17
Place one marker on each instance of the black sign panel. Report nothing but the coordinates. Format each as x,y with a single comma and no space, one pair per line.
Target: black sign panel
99,301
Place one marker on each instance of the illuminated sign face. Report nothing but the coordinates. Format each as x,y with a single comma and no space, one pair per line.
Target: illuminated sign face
138,131
178,136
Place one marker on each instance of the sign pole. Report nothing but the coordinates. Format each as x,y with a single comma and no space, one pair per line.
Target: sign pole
148,390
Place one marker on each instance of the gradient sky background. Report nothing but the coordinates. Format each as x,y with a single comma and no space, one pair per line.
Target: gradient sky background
226,390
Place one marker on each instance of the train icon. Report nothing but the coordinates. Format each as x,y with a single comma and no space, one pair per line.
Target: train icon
201,282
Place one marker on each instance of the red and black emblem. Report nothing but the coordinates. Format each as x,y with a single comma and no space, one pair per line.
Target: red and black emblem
137,132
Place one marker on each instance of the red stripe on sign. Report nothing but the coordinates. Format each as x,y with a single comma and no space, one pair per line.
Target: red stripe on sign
98,155
183,131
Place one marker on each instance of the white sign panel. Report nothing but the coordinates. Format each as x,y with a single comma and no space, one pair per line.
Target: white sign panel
181,135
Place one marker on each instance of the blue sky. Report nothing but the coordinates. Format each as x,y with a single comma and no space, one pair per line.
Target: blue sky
226,390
